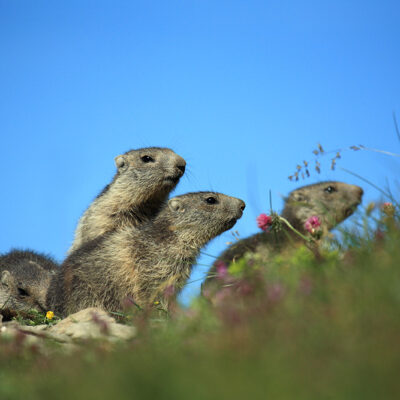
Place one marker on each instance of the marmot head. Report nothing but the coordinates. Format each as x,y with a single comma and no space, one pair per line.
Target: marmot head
23,289
332,202
150,171
199,217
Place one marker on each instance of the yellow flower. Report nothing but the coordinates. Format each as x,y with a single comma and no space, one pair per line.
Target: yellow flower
49,315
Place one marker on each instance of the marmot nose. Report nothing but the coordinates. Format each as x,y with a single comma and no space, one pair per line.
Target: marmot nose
242,205
182,168
358,192
180,163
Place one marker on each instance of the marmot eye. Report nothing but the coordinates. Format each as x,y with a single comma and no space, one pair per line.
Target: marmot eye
330,189
22,293
211,200
147,159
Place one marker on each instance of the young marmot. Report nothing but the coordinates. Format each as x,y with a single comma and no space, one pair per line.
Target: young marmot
139,189
25,277
139,263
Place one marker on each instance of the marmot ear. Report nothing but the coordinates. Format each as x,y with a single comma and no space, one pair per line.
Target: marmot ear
35,265
120,161
299,196
175,205
5,278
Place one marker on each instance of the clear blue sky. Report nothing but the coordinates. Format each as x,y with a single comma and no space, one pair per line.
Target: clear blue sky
243,90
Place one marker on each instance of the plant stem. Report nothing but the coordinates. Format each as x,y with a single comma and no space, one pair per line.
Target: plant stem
307,239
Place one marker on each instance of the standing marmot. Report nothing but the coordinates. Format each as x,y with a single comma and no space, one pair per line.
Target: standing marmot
332,202
25,278
138,263
140,187
143,181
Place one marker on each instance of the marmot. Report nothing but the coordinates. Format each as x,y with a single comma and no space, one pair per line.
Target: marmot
16,257
139,263
332,202
25,278
140,187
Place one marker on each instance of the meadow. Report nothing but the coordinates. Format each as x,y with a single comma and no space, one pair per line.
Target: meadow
298,326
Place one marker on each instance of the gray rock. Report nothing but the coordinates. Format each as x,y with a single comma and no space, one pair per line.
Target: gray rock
91,323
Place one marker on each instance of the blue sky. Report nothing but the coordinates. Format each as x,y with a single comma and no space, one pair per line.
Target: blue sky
243,91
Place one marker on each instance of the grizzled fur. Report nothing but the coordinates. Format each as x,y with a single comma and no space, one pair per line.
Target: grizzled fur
25,277
332,202
140,187
139,263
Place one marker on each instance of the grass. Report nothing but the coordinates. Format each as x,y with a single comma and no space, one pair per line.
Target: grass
34,318
295,327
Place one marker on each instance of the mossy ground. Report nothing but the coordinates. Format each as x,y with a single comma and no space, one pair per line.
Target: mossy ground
295,327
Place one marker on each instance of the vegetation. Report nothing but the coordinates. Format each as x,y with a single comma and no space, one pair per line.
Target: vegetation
298,326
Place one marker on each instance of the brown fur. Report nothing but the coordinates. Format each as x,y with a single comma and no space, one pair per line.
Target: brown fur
25,278
332,206
138,263
137,192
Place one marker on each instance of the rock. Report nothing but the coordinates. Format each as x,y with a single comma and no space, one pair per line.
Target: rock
12,331
91,323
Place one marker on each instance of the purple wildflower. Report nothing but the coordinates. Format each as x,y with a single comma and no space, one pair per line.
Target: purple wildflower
222,269
275,292
264,221
312,224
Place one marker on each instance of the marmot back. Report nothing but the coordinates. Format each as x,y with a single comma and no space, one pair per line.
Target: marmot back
331,201
138,263
140,187
25,278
